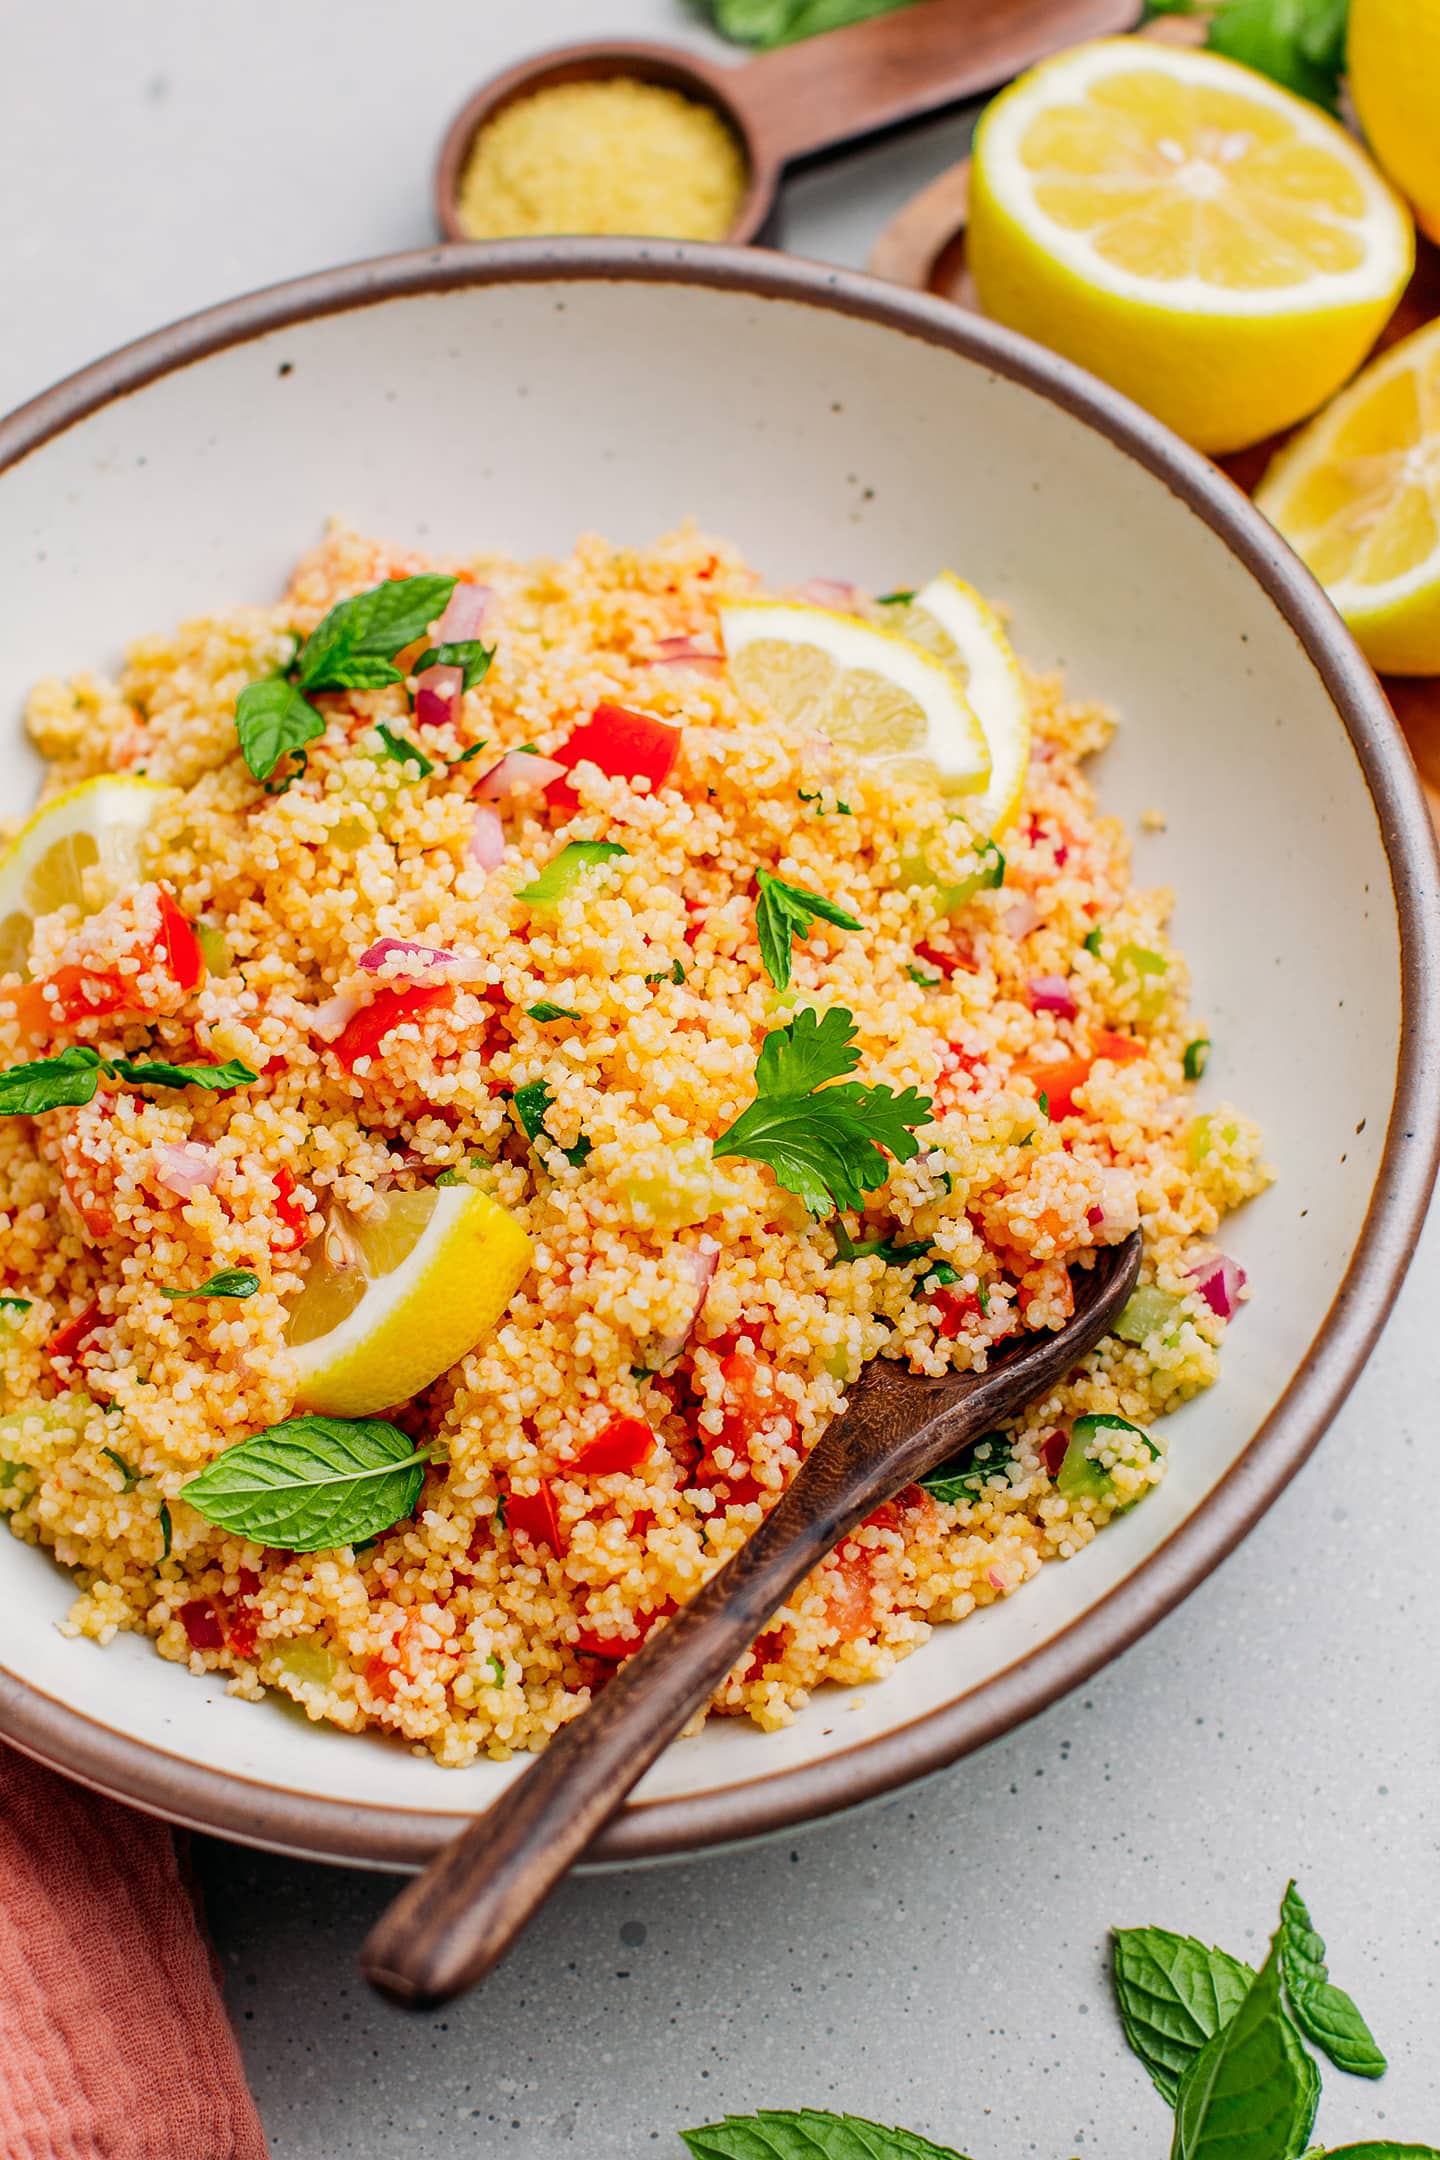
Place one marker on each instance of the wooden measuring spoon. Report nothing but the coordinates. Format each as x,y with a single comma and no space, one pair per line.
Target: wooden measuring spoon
811,96
453,1923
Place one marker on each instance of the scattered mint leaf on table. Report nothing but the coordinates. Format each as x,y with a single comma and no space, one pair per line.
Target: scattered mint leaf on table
1174,1995
312,1483
808,2134
785,912
1250,2093
1325,2013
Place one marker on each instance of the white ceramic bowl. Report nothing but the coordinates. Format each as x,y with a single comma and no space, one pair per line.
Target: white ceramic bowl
513,396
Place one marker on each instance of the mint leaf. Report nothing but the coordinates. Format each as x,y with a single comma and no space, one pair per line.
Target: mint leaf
785,912
272,719
531,1103
545,1011
61,1082
467,654
1300,43
823,1143
808,2134
1173,1995
374,625
1324,2012
967,1475
765,23
402,752
1250,2093
312,1483
216,1079
234,1282
131,1477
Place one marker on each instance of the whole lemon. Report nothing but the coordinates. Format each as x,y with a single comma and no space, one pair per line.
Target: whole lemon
1393,54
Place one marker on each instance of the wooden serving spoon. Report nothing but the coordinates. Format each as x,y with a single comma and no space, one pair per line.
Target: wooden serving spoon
810,96
453,1923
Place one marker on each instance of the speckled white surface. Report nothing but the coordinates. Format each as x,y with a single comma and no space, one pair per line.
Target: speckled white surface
937,1961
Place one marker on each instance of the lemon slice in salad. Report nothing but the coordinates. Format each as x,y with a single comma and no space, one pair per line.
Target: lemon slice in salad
395,1298
869,688
78,850
952,620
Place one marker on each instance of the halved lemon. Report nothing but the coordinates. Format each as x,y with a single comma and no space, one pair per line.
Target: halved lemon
869,688
393,1300
1204,240
1357,495
952,620
80,849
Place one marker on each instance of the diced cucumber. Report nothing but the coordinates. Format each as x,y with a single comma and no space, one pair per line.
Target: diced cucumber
1082,1476
564,871
1148,1311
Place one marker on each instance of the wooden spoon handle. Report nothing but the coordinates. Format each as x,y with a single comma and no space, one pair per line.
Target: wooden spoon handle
453,1923
827,90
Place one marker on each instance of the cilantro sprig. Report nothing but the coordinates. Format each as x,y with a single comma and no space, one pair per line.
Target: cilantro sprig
825,1142
354,648
785,912
69,1079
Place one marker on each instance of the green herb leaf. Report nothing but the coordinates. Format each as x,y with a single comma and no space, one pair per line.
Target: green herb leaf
312,1483
823,1143
808,2134
1300,43
215,1079
1382,2149
1174,1995
375,625
466,755
967,1475
234,1282
545,1012
131,1477
468,654
15,1304
765,23
167,1531
1092,941
785,912
272,719
1324,2012
1251,2091
1197,1057
675,973
531,1103
895,599
564,871
61,1082
402,752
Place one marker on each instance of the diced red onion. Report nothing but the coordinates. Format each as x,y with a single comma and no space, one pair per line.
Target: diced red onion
1119,1210
464,615
1021,917
516,773
424,957
828,592
185,1170
699,1262
682,652
329,1019
1219,1280
486,845
995,1579
1052,994
437,696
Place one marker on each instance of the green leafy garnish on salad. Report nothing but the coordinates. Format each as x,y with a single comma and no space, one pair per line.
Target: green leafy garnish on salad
70,1078
235,1282
783,913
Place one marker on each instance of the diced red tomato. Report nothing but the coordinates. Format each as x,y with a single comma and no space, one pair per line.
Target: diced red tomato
381,1676
909,1507
626,745
616,1648
768,1650
69,994
534,1516
290,1213
203,1626
182,948
362,1036
623,1445
72,1335
1120,1049
1052,1452
1056,1080
952,1308
850,1602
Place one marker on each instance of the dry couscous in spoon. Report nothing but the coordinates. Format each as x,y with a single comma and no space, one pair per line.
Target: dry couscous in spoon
449,1927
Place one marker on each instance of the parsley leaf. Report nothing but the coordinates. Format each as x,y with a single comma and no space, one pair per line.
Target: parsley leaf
545,1011
1324,2012
341,652
402,752
1252,2088
823,1143
312,1483
61,1082
808,2134
675,973
785,912
271,720
532,1101
468,654
1174,1995
233,1282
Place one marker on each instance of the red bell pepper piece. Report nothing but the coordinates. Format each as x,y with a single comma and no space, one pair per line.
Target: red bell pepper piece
1120,1049
362,1035
1056,1080
623,1445
952,1308
182,948
534,1516
204,1629
1052,1452
626,745
72,1335
290,1213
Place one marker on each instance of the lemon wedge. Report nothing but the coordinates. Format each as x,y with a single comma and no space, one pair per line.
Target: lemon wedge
79,849
1392,56
869,688
1209,243
1357,495
949,618
393,1300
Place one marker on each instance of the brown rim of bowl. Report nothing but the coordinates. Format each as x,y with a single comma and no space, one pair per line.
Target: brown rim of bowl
397,1838
595,61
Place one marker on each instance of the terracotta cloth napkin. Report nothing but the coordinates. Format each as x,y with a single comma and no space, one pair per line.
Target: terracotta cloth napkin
114,2044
